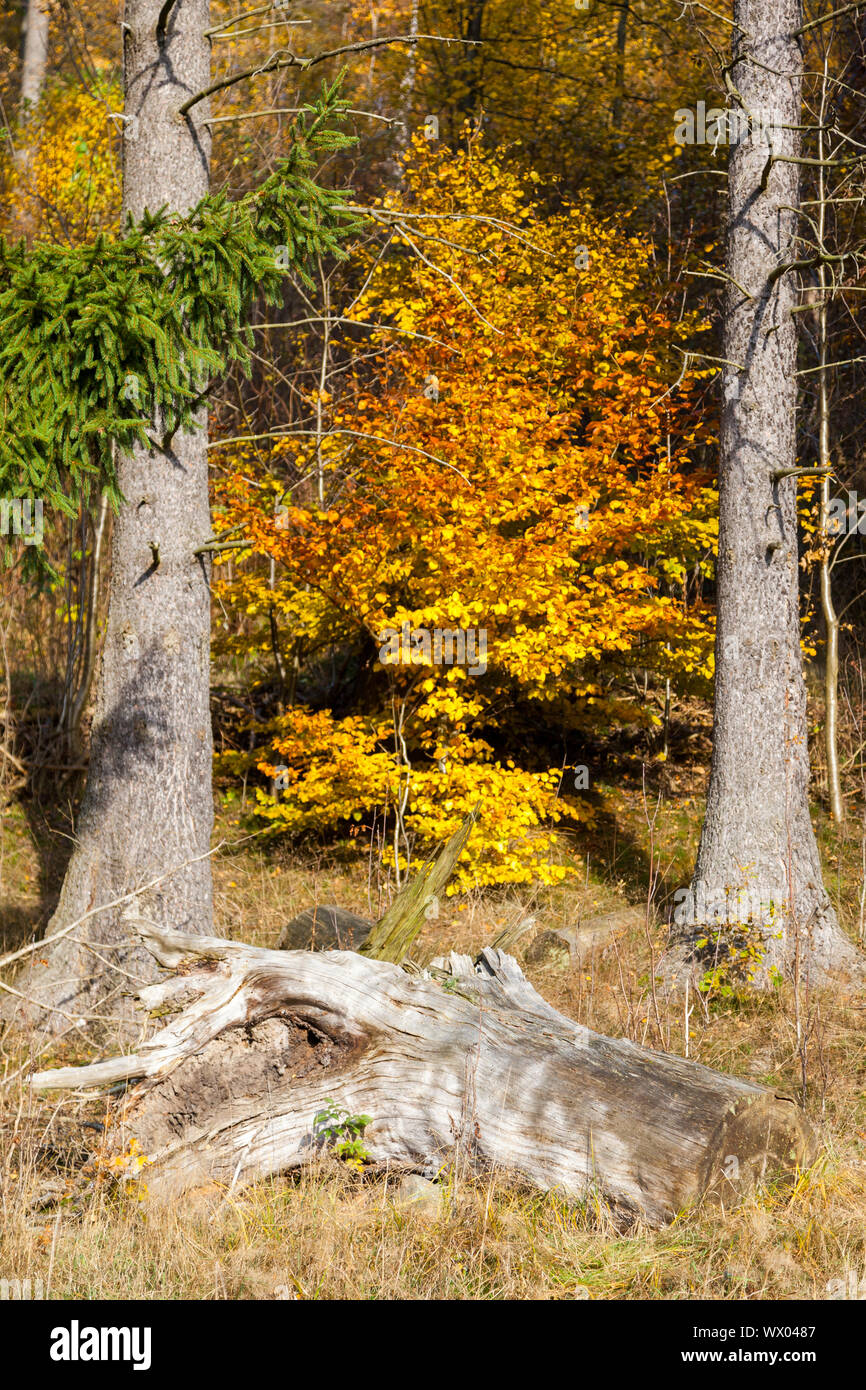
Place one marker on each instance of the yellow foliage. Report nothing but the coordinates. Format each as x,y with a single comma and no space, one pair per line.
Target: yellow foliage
545,494
63,184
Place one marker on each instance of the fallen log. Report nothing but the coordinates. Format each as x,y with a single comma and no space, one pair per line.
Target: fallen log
463,1059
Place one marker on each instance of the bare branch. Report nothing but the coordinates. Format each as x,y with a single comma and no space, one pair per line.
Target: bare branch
355,434
782,473
283,58
296,111
104,907
824,18
236,19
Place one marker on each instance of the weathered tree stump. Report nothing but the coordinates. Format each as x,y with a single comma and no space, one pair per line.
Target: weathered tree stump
463,1059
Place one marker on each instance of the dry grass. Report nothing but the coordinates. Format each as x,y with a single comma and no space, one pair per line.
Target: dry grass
329,1233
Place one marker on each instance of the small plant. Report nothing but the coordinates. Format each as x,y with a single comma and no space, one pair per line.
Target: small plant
735,964
344,1133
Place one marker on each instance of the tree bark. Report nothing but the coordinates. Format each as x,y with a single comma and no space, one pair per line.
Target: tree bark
828,607
619,68
459,1063
148,807
758,873
35,60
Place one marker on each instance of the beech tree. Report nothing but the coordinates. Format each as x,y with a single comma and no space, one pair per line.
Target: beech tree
757,896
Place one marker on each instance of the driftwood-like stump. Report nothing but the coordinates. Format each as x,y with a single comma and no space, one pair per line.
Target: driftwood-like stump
462,1059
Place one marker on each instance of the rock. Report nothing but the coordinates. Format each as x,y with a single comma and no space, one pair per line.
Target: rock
324,928
761,1064
418,1195
550,948
572,946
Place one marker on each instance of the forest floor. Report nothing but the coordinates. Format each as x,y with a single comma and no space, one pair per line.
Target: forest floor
331,1233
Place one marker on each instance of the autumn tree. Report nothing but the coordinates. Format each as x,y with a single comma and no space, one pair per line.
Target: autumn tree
504,444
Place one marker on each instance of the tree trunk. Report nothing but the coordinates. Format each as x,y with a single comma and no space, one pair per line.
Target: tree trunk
453,1064
148,806
828,607
469,101
619,69
35,59
758,873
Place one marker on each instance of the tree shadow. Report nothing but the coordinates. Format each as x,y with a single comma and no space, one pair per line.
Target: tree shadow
23,922
135,740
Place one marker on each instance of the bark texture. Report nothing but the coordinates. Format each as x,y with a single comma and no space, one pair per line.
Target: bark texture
757,836
35,59
148,804
463,1061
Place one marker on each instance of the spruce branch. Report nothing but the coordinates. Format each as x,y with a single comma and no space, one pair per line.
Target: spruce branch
98,341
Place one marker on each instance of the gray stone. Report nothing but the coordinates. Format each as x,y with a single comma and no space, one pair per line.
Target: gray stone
550,948
565,946
418,1195
324,928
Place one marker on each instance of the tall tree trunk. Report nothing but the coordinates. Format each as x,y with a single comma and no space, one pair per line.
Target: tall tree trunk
470,99
758,858
828,607
35,59
403,134
619,71
148,804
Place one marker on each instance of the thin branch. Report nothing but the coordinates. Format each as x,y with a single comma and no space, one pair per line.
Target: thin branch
55,1009
726,361
722,275
401,215
848,362
694,173
217,546
104,907
291,60
359,323
236,19
783,473
296,111
260,28
780,270
824,18
796,159
355,434
696,5
450,278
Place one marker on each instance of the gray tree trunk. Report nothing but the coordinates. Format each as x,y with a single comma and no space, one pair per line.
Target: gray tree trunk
148,806
35,59
757,840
